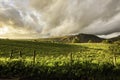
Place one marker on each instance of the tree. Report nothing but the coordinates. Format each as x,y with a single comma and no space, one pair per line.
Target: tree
105,41
75,40
90,41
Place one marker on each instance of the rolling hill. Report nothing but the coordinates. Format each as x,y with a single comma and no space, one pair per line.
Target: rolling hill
115,39
79,38
83,38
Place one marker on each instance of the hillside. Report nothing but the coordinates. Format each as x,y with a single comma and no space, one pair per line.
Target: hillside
80,38
115,39
28,59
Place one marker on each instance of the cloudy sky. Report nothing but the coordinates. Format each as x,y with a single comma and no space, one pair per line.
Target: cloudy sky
50,18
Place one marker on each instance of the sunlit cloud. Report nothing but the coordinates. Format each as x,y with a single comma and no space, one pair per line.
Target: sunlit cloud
49,18
3,30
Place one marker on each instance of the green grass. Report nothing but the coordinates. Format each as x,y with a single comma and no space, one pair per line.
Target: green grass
44,49
56,56
94,52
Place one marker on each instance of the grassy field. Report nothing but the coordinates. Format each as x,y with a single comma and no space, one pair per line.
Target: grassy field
95,52
72,61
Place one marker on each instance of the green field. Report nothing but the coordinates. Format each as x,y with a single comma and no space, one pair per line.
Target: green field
58,59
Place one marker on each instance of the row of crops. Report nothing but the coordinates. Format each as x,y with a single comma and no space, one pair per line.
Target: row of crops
50,61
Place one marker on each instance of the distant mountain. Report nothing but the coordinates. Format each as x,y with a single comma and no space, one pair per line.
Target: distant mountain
115,39
80,38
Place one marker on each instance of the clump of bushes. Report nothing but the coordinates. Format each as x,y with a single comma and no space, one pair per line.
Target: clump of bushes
75,40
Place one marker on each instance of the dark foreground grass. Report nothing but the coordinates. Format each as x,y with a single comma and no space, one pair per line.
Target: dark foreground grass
76,71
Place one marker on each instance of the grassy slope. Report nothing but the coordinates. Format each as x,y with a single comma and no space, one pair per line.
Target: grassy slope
54,61
47,47
81,38
85,51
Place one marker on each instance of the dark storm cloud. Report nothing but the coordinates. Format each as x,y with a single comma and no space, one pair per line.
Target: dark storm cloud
75,16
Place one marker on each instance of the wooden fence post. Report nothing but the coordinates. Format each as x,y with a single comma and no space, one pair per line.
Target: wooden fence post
71,63
71,59
34,56
20,54
114,50
114,57
11,54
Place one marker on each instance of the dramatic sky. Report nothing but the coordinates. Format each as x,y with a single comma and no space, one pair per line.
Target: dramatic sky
50,18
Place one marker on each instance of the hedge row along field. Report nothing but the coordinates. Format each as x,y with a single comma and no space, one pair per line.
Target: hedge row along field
29,60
